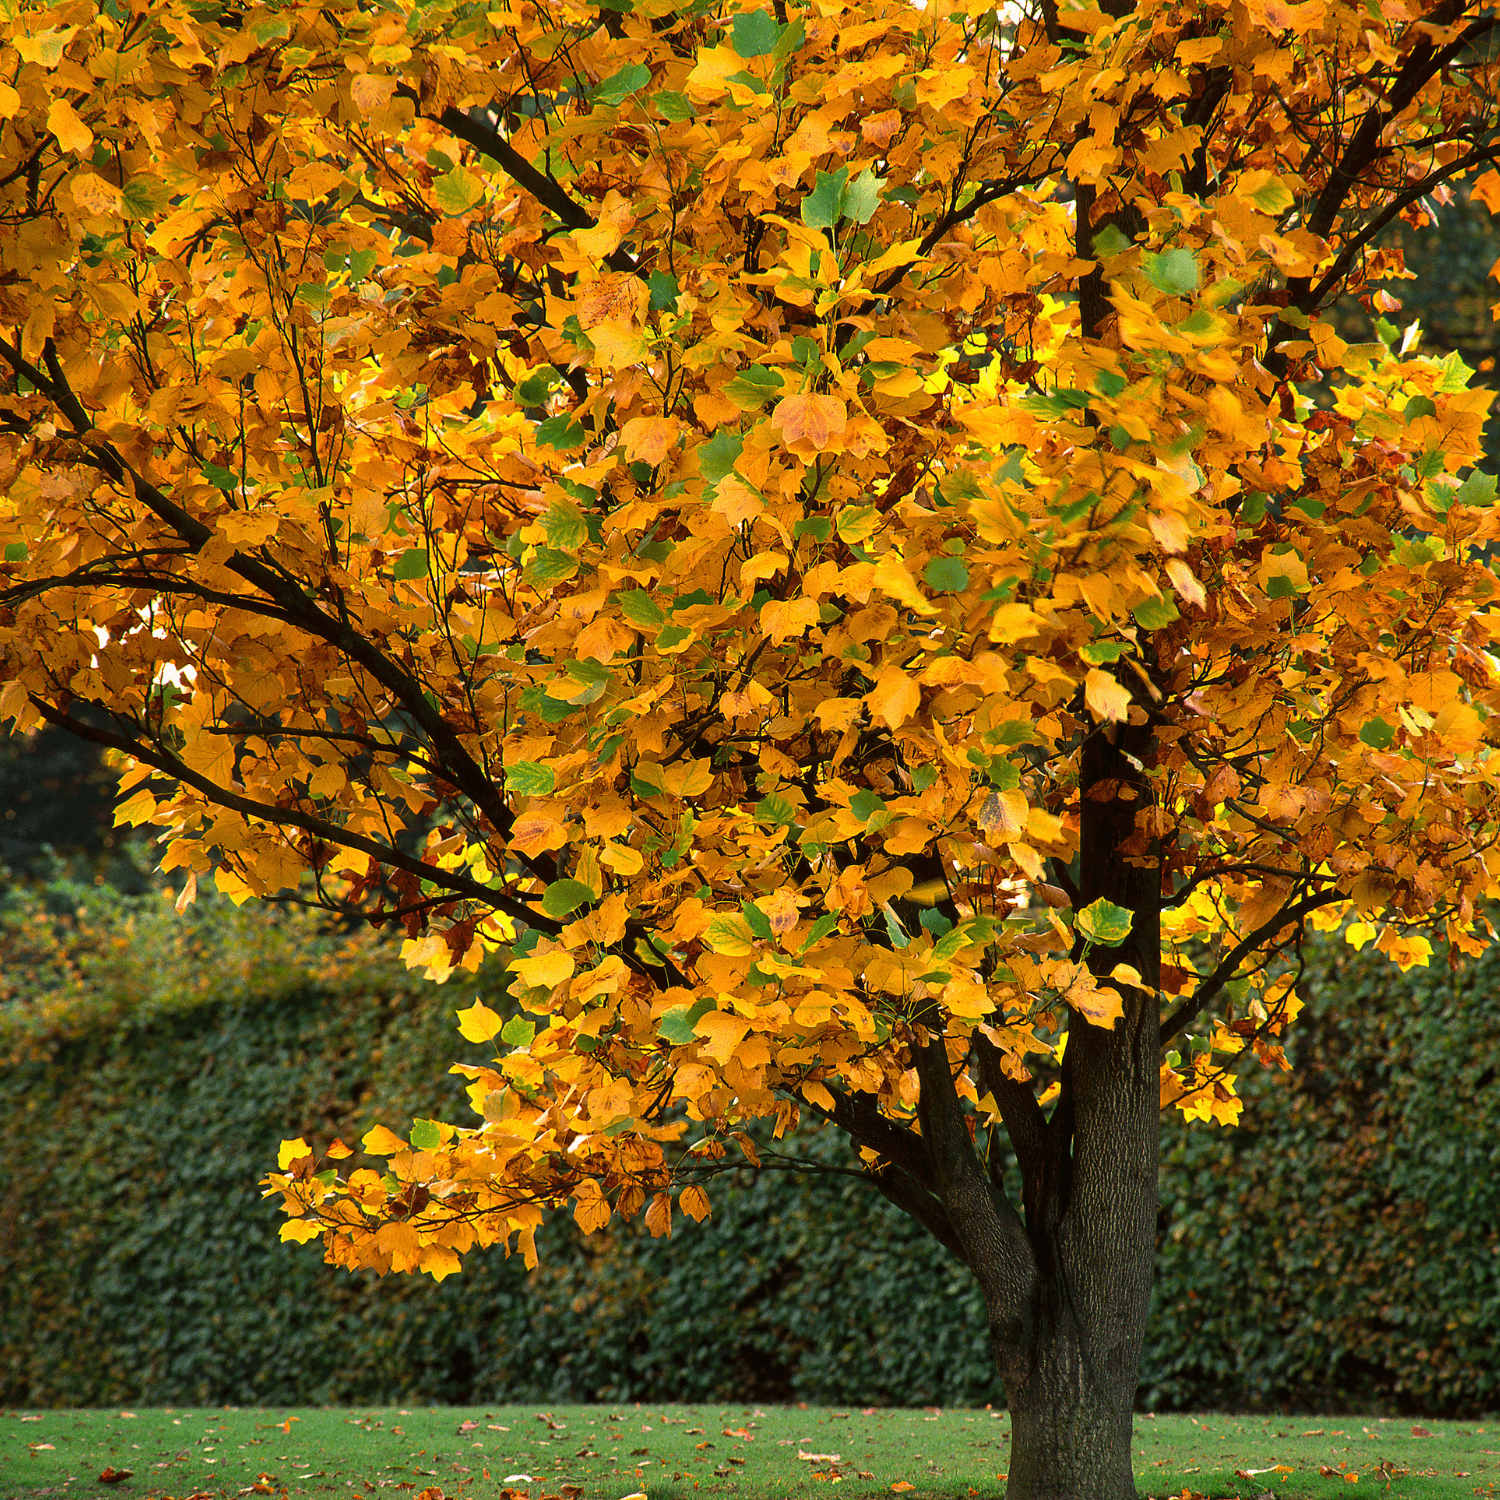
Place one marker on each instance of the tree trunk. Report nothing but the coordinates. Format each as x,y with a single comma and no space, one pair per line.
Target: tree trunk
1069,1295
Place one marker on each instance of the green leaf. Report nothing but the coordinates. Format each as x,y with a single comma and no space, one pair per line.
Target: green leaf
549,566
946,575
144,195
456,192
730,934
793,37
862,197
529,779
1273,197
563,897
1155,614
629,80
1418,406
755,33
535,388
221,478
774,809
1174,272
1101,653
894,930
559,432
716,458
664,291
518,1032
15,552
1456,374
411,564
361,263
641,609
1109,241
760,923
676,1025
672,106
824,206
753,388
425,1135
865,804
1478,489
1378,735
1103,922
819,930
313,294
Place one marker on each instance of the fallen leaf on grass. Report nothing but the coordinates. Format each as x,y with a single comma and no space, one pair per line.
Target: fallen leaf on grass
823,1458
42,1447
112,1475
467,1426
1421,1432
432,1492
572,1491
902,1485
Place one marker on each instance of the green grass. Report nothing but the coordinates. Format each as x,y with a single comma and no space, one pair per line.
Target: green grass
725,1452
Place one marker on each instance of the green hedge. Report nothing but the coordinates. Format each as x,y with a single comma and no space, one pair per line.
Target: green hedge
1338,1251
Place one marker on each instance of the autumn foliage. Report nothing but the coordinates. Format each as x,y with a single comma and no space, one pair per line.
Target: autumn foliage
843,525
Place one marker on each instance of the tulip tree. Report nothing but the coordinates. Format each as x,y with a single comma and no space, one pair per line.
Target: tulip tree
836,537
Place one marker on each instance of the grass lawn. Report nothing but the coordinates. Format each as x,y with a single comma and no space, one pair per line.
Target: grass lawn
682,1452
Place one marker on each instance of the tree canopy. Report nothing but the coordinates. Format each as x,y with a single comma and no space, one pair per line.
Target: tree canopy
816,522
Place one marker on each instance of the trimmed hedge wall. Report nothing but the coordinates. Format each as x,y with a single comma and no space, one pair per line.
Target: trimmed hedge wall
1338,1251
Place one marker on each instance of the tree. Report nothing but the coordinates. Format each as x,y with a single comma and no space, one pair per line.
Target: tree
806,519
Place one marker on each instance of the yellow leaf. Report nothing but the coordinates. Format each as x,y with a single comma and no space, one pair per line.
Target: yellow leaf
1003,815
371,92
659,1215
816,1093
810,424
723,1032
1109,700
292,1151
72,134
648,438
479,1023
694,1203
894,698
95,196
617,345
591,1208
544,970
402,1243
383,1142
437,1261
300,1231
783,618
714,66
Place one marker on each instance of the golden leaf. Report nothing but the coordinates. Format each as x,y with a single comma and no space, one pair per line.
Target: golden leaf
810,424
1106,696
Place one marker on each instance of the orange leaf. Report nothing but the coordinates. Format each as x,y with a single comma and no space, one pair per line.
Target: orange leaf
810,424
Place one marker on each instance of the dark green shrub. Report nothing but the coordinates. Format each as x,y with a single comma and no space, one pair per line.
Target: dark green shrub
1338,1250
